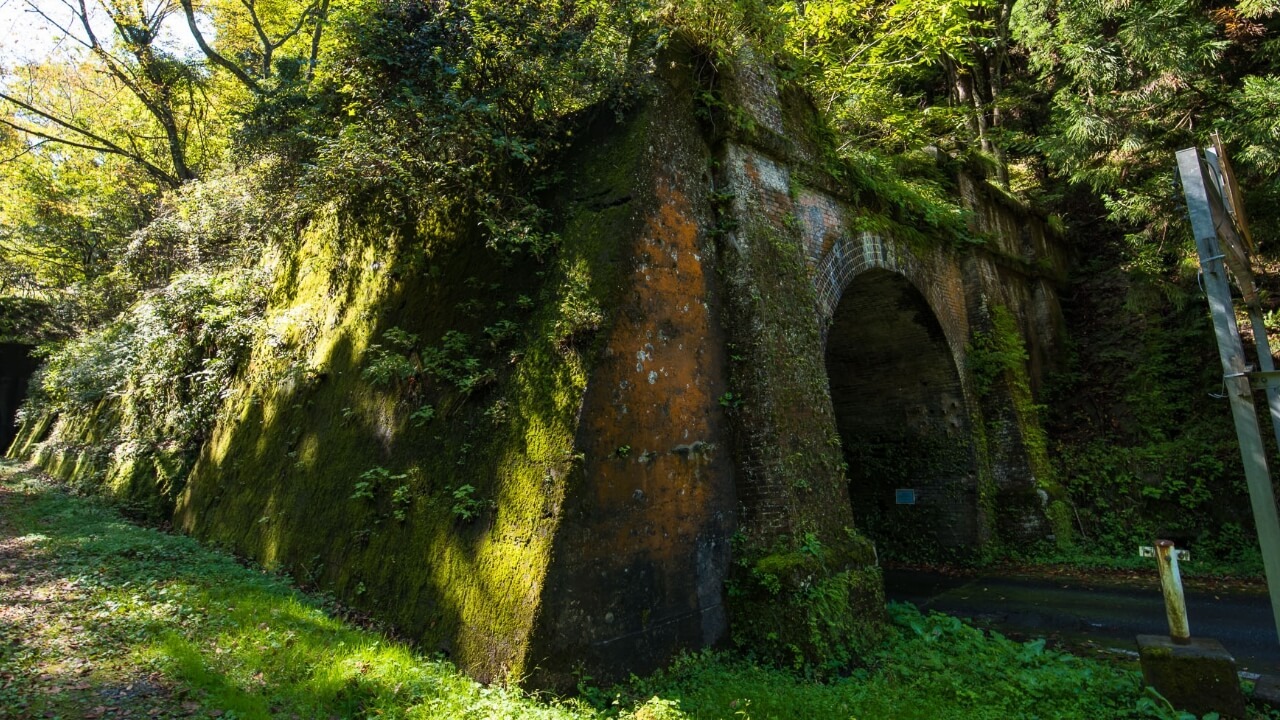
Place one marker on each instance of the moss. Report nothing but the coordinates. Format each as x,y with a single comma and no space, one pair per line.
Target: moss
277,479
34,430
798,610
785,606
1059,515
785,565
998,361
988,490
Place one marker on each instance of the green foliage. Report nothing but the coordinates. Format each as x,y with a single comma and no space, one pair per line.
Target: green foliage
720,30
1139,444
422,415
399,365
229,640
375,479
237,641
401,498
453,361
805,605
465,504
1131,83
388,367
494,81
872,66
931,666
29,321
174,355
997,354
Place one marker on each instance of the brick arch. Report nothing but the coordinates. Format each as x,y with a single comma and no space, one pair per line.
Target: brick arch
936,276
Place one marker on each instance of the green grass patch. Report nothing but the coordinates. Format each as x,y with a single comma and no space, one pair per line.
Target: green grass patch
105,618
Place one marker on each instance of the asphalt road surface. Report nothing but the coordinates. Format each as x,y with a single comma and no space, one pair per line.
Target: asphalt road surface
1077,611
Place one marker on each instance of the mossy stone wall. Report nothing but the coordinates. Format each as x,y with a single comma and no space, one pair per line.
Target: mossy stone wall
775,168
644,456
642,552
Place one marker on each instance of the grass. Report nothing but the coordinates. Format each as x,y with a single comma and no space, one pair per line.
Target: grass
103,618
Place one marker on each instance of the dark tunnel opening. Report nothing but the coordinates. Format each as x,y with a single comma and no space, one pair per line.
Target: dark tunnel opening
903,422
16,368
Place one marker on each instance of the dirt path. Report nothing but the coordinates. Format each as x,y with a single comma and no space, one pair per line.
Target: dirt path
57,658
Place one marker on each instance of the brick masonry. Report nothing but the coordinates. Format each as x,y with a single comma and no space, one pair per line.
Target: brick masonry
774,185
755,338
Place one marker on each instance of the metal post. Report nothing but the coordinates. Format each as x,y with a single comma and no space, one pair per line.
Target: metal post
1222,210
1235,374
1175,605
1265,363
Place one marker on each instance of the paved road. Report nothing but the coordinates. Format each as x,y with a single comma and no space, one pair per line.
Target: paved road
1110,616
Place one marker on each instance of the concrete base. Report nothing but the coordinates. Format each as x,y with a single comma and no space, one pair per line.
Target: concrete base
1199,677
1267,690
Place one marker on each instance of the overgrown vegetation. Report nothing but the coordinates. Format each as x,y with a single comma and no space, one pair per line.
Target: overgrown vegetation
1140,435
155,200
153,380
161,626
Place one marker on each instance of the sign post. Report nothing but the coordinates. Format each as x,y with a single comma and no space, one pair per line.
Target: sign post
1206,221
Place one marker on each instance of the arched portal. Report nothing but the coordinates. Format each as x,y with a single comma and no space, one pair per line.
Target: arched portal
902,419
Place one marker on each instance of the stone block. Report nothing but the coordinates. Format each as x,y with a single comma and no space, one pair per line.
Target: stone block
1199,677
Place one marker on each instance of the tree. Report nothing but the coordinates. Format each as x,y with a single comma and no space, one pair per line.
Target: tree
1133,82
254,30
82,101
904,74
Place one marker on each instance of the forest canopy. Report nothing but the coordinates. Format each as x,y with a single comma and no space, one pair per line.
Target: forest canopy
126,161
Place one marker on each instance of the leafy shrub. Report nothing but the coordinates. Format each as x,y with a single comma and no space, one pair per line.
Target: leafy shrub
465,504
494,81
932,666
174,354
422,415
387,368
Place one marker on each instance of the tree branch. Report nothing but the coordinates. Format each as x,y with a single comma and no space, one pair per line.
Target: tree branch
321,16
213,55
103,144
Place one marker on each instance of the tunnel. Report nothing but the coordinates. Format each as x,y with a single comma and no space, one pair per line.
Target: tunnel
16,367
903,422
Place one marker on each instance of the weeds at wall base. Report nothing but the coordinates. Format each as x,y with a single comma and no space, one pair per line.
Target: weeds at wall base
213,637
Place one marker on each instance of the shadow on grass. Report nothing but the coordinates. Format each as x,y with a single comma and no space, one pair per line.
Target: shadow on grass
240,640
245,644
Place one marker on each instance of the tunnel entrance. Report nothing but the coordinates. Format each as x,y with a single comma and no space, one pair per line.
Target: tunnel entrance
16,367
903,422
